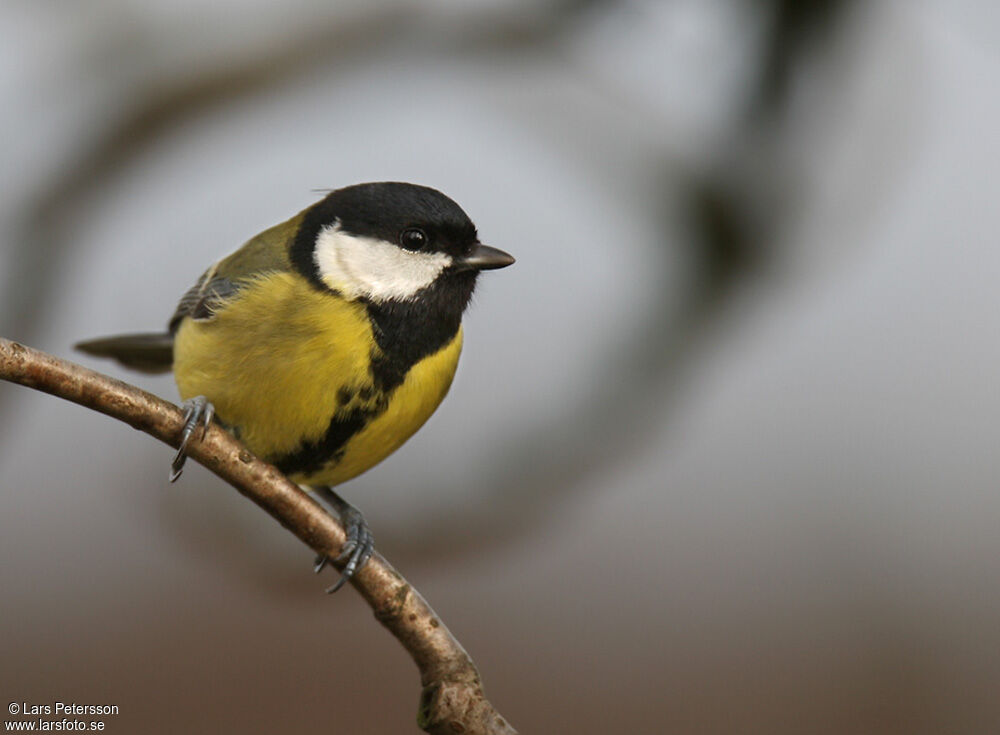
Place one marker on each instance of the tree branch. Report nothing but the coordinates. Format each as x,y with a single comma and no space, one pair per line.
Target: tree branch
452,700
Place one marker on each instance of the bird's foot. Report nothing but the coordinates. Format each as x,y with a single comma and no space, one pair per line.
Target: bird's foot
360,544
197,411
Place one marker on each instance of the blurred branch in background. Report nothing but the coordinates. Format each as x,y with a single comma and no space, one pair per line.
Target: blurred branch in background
452,700
164,104
797,27
735,215
731,197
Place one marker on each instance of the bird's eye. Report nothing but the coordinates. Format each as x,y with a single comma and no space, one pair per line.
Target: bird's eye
413,239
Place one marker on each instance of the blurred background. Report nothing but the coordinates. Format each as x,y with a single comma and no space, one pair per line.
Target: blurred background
722,452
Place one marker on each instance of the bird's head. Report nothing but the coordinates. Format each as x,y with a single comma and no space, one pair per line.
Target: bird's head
392,242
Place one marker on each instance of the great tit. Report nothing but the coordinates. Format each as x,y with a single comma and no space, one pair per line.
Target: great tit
326,341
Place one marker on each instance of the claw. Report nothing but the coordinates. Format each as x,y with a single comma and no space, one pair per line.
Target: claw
347,549
197,410
340,583
359,546
209,415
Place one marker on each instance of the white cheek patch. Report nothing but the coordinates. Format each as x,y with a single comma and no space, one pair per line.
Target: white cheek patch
372,268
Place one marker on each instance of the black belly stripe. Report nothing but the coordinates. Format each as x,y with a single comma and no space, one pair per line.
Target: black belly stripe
310,457
406,333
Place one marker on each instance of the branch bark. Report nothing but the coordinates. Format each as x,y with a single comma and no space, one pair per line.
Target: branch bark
452,699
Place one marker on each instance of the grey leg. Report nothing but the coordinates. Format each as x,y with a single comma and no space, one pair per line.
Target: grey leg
196,411
360,544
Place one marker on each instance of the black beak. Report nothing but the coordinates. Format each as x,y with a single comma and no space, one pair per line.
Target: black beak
484,258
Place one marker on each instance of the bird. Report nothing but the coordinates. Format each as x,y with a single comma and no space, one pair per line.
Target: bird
326,341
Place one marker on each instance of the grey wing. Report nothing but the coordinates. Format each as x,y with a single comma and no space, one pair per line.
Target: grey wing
204,298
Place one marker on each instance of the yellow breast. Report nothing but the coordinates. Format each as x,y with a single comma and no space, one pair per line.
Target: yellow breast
410,405
277,362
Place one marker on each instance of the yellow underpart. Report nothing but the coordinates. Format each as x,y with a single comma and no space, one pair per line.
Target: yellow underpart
410,405
274,359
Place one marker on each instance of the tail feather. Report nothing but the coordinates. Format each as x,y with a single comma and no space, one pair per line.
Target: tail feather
150,353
